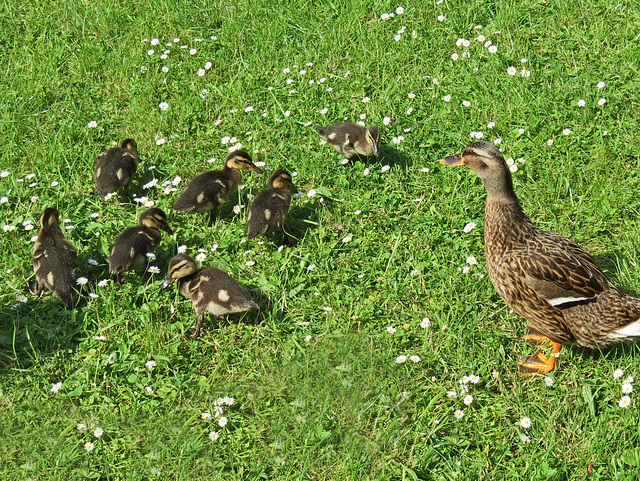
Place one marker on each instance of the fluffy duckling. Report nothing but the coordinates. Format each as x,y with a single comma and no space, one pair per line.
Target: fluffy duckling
207,191
129,252
543,276
351,139
269,208
211,290
115,167
54,260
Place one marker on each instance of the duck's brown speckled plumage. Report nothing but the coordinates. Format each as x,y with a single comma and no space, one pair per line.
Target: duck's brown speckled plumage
211,290
543,276
351,139
207,191
269,208
54,260
130,249
115,167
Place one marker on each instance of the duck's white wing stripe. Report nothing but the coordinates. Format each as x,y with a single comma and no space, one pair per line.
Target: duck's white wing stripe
630,330
558,301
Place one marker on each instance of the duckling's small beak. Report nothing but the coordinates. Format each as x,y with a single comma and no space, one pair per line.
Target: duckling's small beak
452,160
376,149
167,282
255,168
166,228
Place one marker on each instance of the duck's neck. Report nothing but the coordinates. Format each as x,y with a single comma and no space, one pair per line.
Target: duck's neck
233,174
184,283
505,225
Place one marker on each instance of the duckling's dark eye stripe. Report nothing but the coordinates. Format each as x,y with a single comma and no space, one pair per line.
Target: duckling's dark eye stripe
179,266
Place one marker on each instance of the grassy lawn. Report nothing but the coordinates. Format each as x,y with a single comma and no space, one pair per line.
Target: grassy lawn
381,349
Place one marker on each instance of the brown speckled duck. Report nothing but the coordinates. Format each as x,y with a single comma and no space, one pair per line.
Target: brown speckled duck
211,290
543,276
115,167
54,260
269,208
207,191
130,249
351,139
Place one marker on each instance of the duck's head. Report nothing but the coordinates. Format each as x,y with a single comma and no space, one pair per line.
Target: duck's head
239,159
50,218
486,160
156,219
131,146
281,179
373,137
180,266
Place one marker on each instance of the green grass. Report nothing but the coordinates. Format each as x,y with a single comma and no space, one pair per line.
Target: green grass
336,406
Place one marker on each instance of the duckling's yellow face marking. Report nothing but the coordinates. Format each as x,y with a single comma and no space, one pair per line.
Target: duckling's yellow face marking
155,219
241,160
223,295
373,138
267,214
50,278
50,218
281,180
181,266
130,145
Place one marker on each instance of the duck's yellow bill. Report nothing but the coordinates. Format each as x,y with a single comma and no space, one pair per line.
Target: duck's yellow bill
452,160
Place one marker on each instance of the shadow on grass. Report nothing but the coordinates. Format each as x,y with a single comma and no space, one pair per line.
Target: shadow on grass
392,156
299,221
616,351
609,263
36,330
211,324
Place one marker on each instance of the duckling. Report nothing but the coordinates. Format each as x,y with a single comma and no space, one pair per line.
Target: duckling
129,252
211,290
54,260
269,208
351,139
207,191
115,167
543,276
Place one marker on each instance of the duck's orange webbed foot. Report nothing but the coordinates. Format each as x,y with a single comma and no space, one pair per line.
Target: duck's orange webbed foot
538,363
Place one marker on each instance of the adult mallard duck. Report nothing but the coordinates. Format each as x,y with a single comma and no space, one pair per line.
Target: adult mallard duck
207,191
130,249
211,290
54,260
351,139
269,208
543,276
115,167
